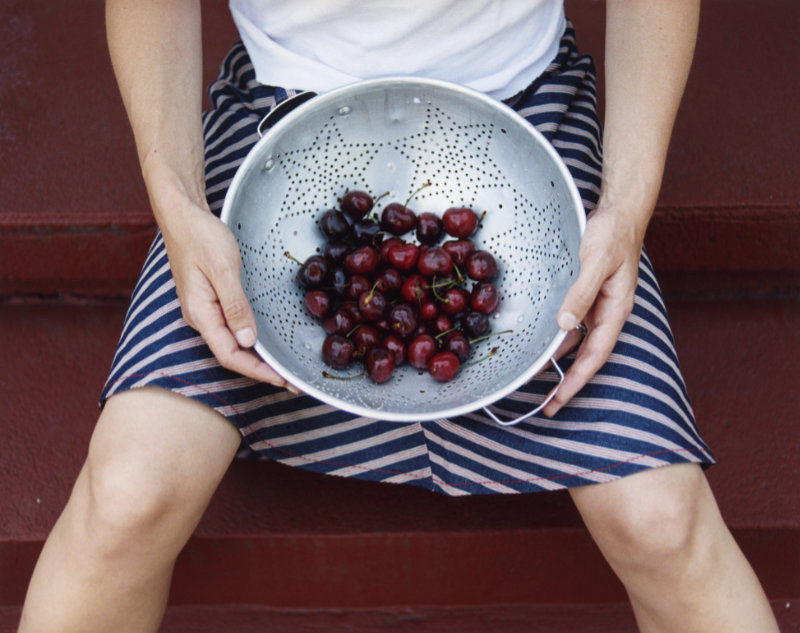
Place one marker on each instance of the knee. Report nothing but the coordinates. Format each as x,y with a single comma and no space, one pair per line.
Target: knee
657,530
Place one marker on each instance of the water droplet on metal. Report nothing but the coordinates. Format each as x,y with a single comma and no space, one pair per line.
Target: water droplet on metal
344,110
269,164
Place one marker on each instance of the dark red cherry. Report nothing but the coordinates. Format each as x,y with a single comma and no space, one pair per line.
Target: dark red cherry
443,366
484,297
389,280
387,245
335,251
442,323
404,257
396,347
454,301
340,281
357,204
372,304
379,363
421,350
459,250
435,261
428,310
340,322
397,219
313,272
458,343
475,324
357,285
334,224
362,260
367,232
337,351
365,338
460,221
429,228
402,319
318,302
414,288
481,265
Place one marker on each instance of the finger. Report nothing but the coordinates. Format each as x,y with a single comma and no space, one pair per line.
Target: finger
592,355
236,310
209,321
581,296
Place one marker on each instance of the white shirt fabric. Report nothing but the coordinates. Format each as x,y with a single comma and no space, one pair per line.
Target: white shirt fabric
495,46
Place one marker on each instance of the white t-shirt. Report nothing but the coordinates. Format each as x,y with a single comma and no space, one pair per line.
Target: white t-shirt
494,46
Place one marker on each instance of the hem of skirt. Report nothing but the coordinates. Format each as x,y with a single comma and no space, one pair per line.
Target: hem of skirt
430,482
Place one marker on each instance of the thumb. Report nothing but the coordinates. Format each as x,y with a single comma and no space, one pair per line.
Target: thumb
580,298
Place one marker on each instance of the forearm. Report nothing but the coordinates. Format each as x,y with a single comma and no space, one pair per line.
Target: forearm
649,49
155,48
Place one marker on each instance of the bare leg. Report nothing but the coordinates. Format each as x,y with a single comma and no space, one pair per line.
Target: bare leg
663,535
154,462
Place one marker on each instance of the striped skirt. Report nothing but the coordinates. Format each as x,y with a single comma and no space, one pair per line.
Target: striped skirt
635,414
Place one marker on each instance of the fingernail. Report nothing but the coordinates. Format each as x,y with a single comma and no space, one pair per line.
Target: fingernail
246,337
567,321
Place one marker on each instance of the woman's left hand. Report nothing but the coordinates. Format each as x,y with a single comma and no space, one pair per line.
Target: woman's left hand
601,298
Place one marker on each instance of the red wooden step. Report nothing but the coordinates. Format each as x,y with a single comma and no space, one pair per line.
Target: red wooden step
285,538
74,216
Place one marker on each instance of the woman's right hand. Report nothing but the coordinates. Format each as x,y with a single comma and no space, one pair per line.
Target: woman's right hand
205,262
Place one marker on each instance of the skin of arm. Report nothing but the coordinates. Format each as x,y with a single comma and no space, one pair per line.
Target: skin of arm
649,50
156,53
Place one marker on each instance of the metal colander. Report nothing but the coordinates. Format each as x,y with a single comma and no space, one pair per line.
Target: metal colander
394,135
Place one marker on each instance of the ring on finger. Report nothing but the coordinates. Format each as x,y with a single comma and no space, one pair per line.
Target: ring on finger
581,327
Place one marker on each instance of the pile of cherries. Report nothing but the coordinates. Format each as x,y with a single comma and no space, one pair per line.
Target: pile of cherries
386,299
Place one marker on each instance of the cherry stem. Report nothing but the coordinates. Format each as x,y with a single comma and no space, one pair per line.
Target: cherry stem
383,195
411,197
293,258
491,353
326,374
461,278
445,333
490,335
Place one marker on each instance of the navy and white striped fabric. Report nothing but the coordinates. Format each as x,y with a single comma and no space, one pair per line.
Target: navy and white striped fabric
634,415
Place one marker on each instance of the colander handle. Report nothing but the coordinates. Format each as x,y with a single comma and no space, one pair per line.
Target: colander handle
282,109
547,400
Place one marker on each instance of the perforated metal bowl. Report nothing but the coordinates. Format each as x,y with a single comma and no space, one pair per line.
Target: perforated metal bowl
394,135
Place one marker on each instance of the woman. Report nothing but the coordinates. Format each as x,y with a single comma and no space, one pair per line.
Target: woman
156,457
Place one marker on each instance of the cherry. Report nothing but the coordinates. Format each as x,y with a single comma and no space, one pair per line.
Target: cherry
334,224
397,219
458,343
460,221
482,265
362,260
397,348
379,363
435,261
340,322
318,302
367,232
443,366
365,338
484,297
340,281
372,304
475,324
335,251
414,288
337,351
357,285
442,323
428,310
421,350
454,301
429,228
403,257
390,280
356,204
402,319
459,250
387,245
313,272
